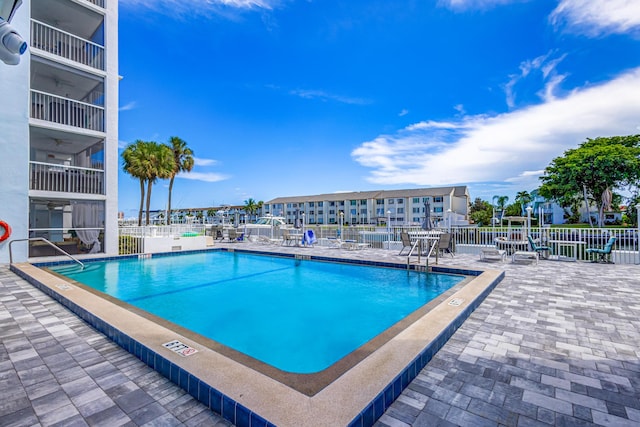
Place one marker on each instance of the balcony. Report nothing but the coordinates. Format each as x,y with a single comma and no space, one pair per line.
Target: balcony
66,45
69,179
65,111
99,3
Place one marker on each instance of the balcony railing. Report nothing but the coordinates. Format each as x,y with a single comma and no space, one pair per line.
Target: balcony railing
66,45
97,2
65,111
70,179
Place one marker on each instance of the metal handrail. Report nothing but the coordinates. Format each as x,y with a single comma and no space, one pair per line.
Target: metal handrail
42,239
418,244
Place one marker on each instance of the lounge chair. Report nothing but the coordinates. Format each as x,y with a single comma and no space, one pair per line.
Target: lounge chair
544,251
406,241
487,254
603,254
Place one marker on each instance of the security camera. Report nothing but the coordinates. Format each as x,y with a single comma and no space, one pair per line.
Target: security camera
11,44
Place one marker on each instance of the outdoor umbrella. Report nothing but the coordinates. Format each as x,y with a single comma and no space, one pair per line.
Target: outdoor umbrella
426,225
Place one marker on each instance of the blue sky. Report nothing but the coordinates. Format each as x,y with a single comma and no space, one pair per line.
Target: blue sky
293,97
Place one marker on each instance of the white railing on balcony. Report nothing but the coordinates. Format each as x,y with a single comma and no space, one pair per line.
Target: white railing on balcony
66,45
97,2
71,179
65,111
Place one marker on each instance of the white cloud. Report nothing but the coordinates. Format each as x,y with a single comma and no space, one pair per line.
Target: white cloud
403,112
129,106
180,8
497,149
475,4
325,96
203,176
598,17
204,162
546,64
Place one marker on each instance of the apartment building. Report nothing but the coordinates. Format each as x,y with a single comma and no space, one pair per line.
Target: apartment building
399,207
59,130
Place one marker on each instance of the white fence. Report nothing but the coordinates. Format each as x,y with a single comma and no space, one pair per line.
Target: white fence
569,243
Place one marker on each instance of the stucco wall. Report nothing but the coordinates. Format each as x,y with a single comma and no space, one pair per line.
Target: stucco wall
14,144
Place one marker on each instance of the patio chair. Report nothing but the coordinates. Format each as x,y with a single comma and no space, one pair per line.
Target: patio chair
543,251
603,254
406,241
288,238
444,244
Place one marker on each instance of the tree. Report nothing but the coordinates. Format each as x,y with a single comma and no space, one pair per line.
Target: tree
250,206
136,164
593,171
182,162
501,203
481,212
524,198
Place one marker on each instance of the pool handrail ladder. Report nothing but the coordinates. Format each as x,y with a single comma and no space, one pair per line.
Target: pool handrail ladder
42,239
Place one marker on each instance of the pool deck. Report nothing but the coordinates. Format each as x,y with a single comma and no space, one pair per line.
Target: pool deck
554,344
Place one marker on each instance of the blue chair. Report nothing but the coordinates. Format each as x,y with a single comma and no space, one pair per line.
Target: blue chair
604,254
539,249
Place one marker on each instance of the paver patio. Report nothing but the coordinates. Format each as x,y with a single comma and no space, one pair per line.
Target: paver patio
553,344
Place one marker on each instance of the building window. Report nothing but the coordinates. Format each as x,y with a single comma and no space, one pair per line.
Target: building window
416,200
438,209
332,203
400,201
363,211
425,199
354,211
311,204
320,204
400,210
363,202
341,203
379,201
391,201
352,202
320,212
437,199
416,210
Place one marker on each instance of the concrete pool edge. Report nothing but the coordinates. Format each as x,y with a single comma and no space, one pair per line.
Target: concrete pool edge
231,389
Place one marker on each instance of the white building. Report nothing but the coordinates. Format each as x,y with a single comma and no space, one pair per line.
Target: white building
400,207
59,129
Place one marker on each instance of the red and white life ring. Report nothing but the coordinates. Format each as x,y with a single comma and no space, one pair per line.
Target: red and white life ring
7,231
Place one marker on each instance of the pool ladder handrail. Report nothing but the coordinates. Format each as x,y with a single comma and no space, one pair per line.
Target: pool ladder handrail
418,244
42,239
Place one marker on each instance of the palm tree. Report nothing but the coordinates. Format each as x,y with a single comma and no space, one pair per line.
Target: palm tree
501,202
135,157
250,206
183,162
524,198
161,165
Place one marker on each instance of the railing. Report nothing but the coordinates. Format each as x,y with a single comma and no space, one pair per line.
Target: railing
66,45
70,179
65,111
97,2
66,239
42,239
131,238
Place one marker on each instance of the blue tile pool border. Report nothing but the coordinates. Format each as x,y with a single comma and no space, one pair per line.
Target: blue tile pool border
228,408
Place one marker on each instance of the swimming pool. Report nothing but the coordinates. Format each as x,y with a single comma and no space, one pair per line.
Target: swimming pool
354,391
297,316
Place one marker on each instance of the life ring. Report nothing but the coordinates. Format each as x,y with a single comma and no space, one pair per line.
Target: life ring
7,231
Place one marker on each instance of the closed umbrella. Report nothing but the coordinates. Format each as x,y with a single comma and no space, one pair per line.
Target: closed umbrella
426,225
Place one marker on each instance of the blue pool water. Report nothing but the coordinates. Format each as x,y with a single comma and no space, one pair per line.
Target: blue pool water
298,316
